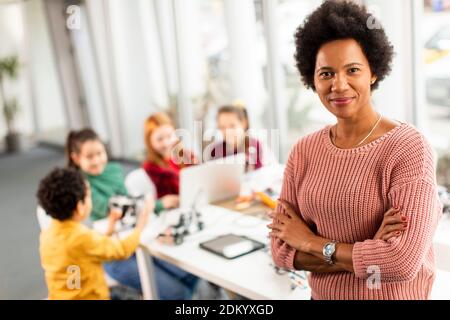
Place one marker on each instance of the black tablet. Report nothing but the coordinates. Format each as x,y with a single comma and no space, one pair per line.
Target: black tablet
231,246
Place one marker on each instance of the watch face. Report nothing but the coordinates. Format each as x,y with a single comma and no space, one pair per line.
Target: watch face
329,250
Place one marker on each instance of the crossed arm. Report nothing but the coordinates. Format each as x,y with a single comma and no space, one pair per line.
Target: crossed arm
291,229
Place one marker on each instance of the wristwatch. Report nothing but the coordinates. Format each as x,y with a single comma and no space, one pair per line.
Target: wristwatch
328,251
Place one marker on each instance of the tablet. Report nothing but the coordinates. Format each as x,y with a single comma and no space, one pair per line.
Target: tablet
231,246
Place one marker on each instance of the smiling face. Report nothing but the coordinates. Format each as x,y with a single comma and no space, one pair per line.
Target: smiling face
342,78
163,139
92,157
232,128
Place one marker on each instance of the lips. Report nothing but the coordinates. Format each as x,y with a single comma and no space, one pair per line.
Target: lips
97,168
342,101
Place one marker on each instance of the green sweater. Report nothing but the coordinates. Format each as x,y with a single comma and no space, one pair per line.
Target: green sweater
110,183
106,185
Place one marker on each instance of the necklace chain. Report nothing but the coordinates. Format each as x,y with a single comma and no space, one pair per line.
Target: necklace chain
368,135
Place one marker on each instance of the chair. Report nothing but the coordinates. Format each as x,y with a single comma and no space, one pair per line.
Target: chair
43,218
139,183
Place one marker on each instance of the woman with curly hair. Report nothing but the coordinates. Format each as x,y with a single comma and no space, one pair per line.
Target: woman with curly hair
348,180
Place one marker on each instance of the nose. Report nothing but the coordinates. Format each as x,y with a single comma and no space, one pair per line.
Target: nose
167,143
96,161
339,84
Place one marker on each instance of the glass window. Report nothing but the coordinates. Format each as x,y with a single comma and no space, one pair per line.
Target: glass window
138,92
435,37
15,42
233,65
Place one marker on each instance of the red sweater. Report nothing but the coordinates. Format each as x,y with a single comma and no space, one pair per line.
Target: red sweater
343,194
253,153
166,179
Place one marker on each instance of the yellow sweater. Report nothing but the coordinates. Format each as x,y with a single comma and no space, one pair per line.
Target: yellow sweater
72,256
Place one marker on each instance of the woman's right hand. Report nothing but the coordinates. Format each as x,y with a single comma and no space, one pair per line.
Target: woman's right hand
392,225
170,201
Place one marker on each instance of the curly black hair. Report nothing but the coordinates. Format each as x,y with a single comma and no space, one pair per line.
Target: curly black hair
60,191
335,20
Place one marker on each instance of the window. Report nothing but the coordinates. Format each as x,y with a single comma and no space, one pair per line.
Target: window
435,40
225,60
37,75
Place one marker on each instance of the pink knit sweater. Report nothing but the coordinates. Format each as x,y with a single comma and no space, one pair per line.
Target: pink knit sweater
342,195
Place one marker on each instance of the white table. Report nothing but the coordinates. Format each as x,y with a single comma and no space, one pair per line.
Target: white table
251,276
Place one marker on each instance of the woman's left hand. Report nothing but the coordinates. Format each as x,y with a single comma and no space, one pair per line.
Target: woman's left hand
291,228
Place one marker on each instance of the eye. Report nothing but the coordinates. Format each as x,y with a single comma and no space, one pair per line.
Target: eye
353,70
326,74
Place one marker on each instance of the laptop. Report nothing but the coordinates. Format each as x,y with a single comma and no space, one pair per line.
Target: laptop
211,181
